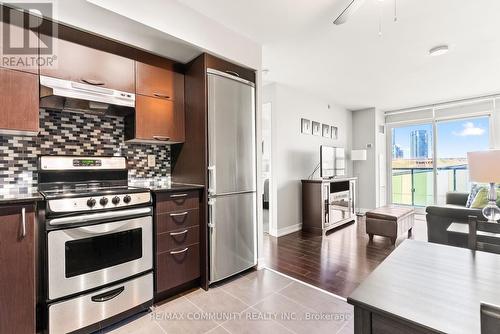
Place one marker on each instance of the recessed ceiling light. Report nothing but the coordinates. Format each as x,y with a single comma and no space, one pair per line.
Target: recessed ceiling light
439,50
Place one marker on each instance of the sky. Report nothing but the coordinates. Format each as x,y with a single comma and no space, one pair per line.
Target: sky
455,138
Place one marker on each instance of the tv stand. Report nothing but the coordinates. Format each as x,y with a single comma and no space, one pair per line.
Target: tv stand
328,203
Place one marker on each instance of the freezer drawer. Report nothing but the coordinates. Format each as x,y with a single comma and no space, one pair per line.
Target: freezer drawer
232,234
231,134
83,311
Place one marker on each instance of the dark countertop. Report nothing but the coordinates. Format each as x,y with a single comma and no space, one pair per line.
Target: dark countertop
164,188
35,196
6,199
159,186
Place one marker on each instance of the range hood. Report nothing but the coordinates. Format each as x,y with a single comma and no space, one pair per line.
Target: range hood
73,96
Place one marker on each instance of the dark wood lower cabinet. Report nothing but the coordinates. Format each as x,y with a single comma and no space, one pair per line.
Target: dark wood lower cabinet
177,267
177,248
17,269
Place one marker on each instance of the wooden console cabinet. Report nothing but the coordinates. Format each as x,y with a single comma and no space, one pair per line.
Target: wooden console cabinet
327,204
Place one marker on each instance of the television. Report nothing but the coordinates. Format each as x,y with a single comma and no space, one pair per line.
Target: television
332,161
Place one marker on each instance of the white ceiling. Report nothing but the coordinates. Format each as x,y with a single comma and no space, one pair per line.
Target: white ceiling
354,67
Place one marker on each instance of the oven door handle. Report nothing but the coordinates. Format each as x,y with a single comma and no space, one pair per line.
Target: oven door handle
108,295
99,216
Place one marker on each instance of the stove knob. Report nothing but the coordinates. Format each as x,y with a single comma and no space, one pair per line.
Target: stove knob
91,202
103,201
127,199
115,200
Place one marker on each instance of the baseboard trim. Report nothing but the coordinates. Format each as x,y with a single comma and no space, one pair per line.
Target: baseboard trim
289,229
261,263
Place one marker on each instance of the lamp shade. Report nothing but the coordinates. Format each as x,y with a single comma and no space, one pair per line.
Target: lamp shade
484,166
358,155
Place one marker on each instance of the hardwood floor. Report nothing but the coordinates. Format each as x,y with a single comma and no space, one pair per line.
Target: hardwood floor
338,262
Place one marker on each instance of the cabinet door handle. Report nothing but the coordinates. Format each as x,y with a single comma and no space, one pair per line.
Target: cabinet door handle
178,233
161,138
162,96
179,252
94,82
179,214
23,222
178,195
233,73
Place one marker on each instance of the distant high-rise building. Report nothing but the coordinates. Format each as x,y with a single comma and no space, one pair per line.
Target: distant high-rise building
397,151
419,144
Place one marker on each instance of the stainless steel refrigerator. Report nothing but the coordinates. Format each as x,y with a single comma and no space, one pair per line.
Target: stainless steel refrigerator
232,175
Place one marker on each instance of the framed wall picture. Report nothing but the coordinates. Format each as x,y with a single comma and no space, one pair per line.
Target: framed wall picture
326,131
305,126
316,128
334,132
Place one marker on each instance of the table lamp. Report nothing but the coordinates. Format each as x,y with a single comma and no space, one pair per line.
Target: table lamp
484,168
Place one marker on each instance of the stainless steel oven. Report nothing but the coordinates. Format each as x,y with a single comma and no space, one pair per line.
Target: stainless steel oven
97,232
85,257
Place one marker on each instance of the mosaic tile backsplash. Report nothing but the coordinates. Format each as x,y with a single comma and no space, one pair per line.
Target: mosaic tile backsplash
66,133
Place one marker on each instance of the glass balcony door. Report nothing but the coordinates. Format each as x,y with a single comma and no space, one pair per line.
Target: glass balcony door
412,169
419,180
454,139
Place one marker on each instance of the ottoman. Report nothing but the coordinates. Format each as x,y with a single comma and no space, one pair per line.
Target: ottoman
390,221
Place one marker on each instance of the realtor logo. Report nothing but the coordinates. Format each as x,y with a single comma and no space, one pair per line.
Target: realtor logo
27,35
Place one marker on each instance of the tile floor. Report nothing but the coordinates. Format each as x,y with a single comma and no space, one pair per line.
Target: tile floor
256,302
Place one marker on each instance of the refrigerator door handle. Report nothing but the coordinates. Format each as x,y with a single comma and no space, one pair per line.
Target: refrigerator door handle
211,213
212,236
211,180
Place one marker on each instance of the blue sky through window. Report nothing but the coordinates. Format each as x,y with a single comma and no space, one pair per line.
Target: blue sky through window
455,138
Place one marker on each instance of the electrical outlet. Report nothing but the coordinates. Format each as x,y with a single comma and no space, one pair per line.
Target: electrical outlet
151,160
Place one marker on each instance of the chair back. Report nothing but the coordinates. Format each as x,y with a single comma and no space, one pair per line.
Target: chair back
484,236
490,319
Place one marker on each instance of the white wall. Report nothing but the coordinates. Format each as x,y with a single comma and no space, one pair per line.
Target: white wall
363,122
186,24
294,155
372,172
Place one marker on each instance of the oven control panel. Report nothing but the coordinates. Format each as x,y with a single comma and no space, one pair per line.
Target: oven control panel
98,203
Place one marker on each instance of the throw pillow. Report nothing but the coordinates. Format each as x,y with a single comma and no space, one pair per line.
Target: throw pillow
481,199
474,189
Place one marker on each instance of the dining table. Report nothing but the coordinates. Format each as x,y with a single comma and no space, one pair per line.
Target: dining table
423,287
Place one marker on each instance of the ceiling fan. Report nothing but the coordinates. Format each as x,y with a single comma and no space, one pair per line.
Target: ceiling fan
348,11
354,6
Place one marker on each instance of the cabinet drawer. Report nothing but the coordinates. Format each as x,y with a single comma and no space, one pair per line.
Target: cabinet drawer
177,267
177,201
177,239
172,221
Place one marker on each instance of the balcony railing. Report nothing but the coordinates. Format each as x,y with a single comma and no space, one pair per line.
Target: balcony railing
415,186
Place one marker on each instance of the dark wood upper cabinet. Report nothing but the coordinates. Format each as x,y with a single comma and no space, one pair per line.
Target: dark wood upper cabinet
159,102
158,120
14,25
17,276
80,63
159,81
229,68
19,98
